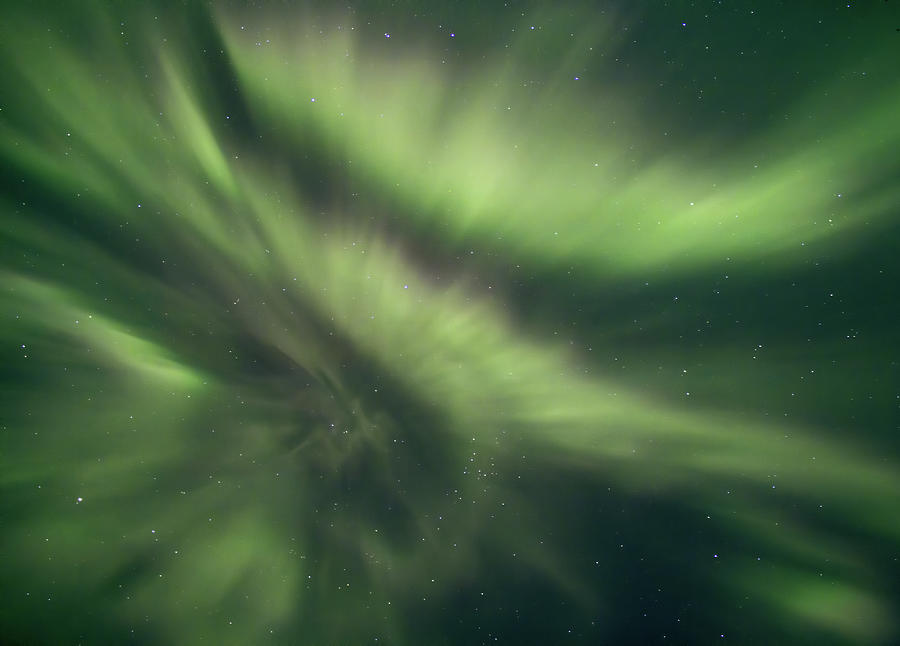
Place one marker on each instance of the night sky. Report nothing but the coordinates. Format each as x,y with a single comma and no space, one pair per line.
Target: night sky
450,323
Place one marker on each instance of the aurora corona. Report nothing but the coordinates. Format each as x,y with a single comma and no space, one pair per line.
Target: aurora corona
316,336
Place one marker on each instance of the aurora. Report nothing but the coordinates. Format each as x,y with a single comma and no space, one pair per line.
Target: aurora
464,335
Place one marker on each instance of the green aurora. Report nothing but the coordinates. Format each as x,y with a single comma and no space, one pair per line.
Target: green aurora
440,324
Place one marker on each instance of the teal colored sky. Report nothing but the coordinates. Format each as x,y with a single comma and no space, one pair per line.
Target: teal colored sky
433,323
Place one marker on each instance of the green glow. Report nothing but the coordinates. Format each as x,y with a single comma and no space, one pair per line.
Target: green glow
221,380
466,163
